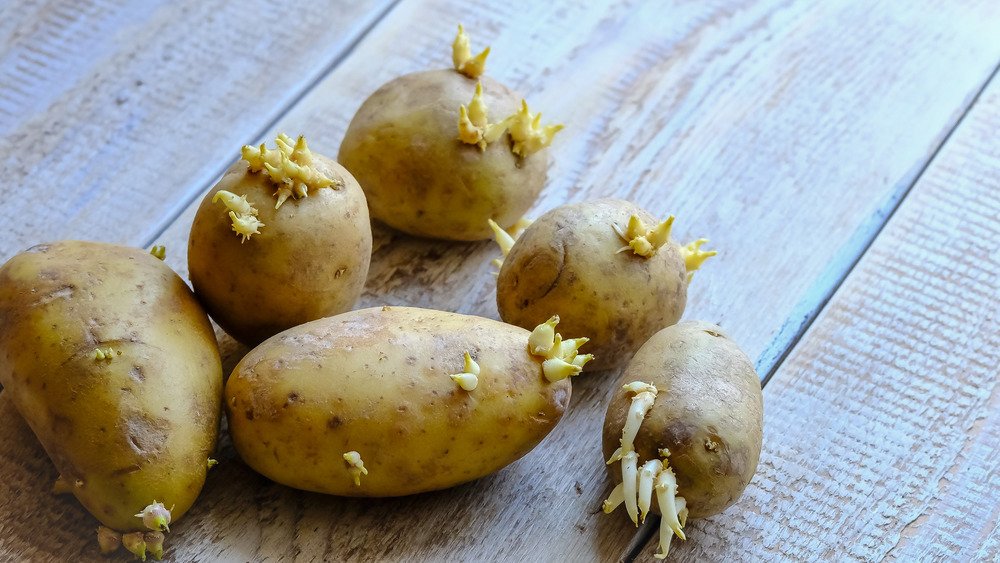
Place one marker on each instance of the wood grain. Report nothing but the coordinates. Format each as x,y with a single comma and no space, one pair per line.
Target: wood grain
897,385
113,115
807,159
780,129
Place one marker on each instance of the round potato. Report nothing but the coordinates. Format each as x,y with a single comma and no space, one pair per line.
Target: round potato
576,261
326,406
419,178
114,365
687,421
439,153
272,250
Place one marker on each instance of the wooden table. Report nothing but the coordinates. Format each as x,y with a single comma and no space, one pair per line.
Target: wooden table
844,156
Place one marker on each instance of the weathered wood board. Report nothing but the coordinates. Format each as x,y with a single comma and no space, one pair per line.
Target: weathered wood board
113,115
783,131
881,429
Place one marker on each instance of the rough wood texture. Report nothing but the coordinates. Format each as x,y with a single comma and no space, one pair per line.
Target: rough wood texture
780,130
881,429
113,115
812,156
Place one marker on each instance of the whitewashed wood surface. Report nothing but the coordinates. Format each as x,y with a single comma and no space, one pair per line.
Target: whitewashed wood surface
114,114
785,132
882,428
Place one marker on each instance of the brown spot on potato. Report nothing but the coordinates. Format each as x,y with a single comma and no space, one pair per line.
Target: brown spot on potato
333,422
136,374
680,433
146,436
249,413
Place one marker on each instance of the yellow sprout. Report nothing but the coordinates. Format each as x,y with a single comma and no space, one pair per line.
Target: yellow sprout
461,56
290,166
469,379
542,339
245,225
233,202
507,237
105,354
159,251
642,241
135,542
527,132
154,543
356,466
241,213
556,369
561,360
694,257
473,122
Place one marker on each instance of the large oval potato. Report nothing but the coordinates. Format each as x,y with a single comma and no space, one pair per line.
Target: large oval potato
571,262
308,259
113,364
376,382
419,178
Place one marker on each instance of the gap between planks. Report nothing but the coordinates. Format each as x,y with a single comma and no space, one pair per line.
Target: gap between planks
202,186
774,356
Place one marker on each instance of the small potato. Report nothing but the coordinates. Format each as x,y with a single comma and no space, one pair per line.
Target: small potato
395,401
432,167
114,365
270,248
686,422
576,261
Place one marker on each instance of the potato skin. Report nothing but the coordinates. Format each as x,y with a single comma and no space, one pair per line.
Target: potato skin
403,147
376,381
138,428
309,261
567,263
708,412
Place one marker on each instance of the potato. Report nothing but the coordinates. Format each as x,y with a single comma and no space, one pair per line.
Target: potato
301,246
573,262
384,401
687,420
113,364
405,146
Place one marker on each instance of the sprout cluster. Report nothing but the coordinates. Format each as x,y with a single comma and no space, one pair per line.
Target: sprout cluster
561,358
290,166
638,483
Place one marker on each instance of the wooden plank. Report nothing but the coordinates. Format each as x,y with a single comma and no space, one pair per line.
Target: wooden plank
651,125
113,115
769,122
881,429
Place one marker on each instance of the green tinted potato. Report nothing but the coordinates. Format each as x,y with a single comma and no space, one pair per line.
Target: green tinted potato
304,255
374,388
114,365
573,262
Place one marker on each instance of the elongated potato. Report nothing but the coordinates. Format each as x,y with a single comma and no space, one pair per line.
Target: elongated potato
114,365
385,402
684,428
